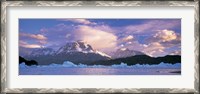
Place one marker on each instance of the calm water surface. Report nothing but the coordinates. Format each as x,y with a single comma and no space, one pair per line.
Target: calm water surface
98,71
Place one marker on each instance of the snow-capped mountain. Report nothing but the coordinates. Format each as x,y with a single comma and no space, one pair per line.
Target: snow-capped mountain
125,52
82,53
77,52
78,46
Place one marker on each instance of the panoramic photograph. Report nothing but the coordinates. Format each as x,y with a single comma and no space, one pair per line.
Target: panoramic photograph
79,46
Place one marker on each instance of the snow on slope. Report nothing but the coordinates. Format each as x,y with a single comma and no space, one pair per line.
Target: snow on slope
78,46
125,52
103,54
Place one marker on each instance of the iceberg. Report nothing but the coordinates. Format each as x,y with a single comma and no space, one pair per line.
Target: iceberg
122,65
68,64
69,68
23,65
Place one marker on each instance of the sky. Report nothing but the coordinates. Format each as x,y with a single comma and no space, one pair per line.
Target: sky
154,37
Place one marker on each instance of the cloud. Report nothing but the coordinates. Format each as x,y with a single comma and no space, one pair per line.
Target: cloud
154,49
152,26
97,38
43,30
34,36
152,37
68,35
105,28
57,35
165,35
80,21
133,45
167,38
176,53
42,42
158,42
154,46
138,28
60,28
128,38
26,45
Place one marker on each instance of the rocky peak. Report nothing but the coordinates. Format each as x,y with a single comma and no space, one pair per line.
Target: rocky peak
78,46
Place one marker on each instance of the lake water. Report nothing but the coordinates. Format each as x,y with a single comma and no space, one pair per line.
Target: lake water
98,71
69,68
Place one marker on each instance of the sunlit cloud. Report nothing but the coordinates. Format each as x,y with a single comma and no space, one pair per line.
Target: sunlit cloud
176,52
165,35
154,49
153,37
26,45
128,38
167,38
132,45
97,38
106,28
34,36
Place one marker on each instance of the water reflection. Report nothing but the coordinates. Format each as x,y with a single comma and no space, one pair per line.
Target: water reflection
98,71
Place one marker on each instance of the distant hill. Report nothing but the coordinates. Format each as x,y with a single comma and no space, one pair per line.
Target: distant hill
141,59
27,62
124,52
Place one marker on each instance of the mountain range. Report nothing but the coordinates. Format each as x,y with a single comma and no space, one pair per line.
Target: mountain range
124,52
80,52
76,52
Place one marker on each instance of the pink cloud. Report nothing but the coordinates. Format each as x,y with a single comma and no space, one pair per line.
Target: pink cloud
154,49
151,49
128,38
34,36
97,38
133,45
105,28
165,35
168,38
176,53
106,37
26,45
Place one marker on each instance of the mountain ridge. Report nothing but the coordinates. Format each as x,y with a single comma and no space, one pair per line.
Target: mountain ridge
82,53
141,59
125,52
77,52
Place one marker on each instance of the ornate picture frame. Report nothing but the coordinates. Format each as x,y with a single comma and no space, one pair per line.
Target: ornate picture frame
4,42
